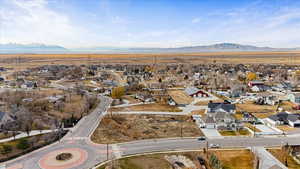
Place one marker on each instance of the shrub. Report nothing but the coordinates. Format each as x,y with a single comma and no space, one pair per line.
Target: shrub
23,144
5,149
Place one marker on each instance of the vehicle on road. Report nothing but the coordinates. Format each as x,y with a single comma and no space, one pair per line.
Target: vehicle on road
214,146
201,139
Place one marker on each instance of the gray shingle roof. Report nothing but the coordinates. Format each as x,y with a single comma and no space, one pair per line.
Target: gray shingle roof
191,90
285,117
225,106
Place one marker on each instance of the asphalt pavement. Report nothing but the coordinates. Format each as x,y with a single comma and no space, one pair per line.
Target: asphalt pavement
79,137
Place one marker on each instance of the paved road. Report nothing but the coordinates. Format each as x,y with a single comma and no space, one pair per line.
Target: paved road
80,138
193,144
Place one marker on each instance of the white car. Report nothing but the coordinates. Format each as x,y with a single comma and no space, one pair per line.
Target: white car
214,146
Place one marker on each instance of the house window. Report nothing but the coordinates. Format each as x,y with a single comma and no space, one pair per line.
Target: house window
297,99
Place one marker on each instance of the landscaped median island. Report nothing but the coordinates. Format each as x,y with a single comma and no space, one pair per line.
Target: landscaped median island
124,128
227,159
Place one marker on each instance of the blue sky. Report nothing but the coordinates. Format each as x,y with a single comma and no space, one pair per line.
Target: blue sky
150,23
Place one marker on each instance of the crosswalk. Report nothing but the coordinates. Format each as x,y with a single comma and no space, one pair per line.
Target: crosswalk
116,150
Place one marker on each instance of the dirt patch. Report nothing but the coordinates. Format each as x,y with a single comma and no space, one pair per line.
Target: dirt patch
259,111
180,97
285,128
284,157
198,112
205,103
122,128
230,159
252,127
147,107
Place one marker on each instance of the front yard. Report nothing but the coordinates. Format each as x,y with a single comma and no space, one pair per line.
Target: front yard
243,132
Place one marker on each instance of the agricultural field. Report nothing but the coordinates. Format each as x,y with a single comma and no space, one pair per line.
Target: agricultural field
32,60
124,128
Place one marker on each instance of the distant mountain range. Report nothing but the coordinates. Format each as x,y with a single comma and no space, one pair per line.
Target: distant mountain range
30,48
220,47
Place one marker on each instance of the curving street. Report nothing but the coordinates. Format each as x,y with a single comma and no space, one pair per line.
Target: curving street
89,154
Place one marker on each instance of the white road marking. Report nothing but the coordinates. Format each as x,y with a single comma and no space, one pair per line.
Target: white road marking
116,151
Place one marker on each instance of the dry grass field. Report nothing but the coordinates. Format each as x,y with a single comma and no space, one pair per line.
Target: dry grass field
252,127
123,128
231,159
279,154
180,97
155,107
205,103
259,111
243,132
33,60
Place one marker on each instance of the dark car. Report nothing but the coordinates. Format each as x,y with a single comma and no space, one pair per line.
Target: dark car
201,139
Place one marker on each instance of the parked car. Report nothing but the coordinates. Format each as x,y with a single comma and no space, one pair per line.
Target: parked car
201,139
214,146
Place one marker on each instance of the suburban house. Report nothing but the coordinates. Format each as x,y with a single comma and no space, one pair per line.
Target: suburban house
294,97
220,116
260,88
5,118
284,118
255,83
144,97
247,117
284,86
221,107
195,92
221,120
267,100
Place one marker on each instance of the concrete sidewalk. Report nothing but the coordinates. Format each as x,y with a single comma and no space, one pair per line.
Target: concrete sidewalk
154,113
24,135
266,159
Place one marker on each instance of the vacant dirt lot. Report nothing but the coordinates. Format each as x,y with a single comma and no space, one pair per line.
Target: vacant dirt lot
230,159
205,103
122,128
180,97
259,111
148,107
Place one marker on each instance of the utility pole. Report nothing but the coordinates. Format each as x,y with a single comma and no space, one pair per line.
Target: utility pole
107,152
181,130
207,149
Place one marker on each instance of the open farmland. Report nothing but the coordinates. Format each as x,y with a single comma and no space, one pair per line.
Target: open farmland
32,60
123,128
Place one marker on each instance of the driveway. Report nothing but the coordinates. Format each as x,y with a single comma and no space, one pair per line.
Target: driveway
211,133
265,130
